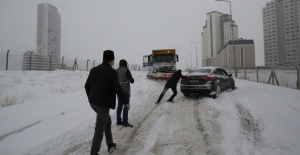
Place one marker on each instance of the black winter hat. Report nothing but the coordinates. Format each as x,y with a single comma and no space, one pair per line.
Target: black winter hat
123,63
108,55
179,70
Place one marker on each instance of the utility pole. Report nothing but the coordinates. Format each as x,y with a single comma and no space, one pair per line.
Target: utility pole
191,60
234,57
196,52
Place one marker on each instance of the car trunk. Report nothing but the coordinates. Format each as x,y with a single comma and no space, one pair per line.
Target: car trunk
197,79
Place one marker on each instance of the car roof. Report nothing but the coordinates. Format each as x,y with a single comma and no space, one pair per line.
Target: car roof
207,67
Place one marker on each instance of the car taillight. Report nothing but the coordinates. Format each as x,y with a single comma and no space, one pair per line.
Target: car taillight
208,78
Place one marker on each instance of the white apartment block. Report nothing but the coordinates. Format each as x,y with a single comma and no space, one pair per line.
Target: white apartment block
216,33
244,53
226,29
281,32
48,31
38,62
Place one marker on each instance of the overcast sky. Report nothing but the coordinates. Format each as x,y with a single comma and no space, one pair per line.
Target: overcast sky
131,28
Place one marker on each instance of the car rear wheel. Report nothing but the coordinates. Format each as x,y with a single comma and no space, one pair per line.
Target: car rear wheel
187,94
218,91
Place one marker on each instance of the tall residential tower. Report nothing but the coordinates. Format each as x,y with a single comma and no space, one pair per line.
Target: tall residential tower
48,31
216,33
281,21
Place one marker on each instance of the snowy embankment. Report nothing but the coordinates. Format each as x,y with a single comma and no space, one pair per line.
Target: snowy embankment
48,113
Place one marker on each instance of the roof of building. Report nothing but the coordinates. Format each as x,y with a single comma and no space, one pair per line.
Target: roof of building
238,42
214,12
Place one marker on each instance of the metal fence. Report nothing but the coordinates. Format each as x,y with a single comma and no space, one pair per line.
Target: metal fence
13,60
287,76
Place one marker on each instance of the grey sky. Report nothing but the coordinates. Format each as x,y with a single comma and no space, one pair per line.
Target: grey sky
131,28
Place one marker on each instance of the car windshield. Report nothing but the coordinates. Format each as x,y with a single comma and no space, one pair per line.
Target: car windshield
201,71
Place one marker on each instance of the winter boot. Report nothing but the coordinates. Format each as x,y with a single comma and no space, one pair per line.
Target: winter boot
119,123
127,125
112,147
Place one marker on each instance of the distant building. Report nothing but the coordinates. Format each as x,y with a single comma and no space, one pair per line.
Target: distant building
47,55
33,61
244,52
216,33
48,31
281,21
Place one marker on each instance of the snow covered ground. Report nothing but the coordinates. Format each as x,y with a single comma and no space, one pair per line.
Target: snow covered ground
48,113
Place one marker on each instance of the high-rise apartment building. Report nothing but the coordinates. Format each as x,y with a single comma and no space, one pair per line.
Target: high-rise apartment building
281,21
216,33
48,31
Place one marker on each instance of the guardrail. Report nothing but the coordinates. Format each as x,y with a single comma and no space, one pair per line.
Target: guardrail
281,76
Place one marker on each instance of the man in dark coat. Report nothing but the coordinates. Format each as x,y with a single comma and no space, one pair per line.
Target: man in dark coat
125,78
171,83
101,88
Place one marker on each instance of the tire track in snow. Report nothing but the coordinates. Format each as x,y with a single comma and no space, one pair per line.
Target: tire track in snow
140,118
251,128
119,132
208,126
127,146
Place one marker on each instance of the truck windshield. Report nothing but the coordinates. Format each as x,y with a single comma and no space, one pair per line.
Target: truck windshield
164,58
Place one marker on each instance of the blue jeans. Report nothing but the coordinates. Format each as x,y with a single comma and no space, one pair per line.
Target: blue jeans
125,111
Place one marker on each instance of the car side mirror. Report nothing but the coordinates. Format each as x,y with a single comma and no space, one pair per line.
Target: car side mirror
230,75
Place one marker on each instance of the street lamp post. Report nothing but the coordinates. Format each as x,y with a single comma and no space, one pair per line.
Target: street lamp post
196,52
191,60
234,58
186,59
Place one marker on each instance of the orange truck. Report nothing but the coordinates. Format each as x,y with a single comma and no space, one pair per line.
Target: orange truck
163,63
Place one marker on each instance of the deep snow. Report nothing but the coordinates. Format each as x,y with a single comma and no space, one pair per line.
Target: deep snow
51,115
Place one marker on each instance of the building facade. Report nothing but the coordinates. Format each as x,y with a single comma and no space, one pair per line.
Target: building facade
216,33
34,61
244,53
281,21
48,31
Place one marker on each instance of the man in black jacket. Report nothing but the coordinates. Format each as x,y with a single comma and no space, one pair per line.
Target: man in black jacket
101,87
171,83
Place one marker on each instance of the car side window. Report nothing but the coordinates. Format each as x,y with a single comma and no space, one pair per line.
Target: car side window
218,72
224,72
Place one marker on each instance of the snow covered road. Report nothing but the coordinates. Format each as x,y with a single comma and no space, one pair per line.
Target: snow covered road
251,120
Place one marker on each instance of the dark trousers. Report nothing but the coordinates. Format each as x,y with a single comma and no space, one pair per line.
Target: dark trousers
103,124
121,108
167,86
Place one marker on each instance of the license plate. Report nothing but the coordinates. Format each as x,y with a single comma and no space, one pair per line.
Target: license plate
193,81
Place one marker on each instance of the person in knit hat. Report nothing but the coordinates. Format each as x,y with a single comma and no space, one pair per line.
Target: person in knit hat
125,78
102,86
171,83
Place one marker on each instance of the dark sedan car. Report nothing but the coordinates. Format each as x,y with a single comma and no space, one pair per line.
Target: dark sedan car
207,80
